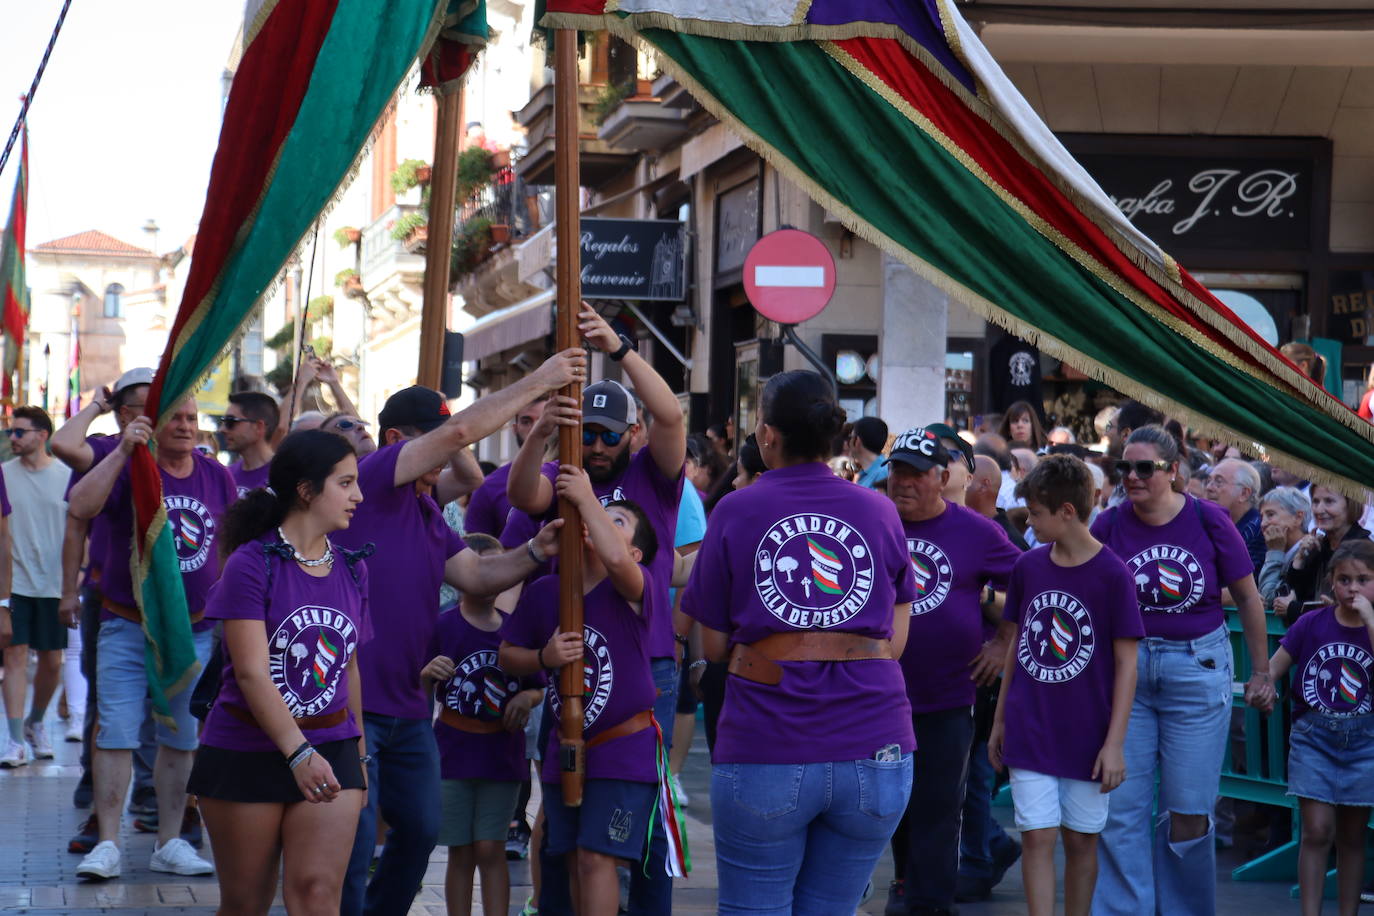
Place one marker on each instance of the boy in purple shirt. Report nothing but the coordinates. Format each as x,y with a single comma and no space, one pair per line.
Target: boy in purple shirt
1068,685
612,824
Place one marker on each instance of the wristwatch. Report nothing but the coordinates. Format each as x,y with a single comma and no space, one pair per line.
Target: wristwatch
626,345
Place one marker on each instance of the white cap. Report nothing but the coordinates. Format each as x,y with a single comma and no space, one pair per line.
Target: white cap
140,376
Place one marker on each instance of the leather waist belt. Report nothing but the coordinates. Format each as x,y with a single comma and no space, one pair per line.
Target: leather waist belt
758,661
304,723
135,615
463,723
633,725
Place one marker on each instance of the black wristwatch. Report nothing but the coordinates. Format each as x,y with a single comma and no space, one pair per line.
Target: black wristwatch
626,345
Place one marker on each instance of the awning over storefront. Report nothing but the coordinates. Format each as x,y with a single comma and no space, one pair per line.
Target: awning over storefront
510,327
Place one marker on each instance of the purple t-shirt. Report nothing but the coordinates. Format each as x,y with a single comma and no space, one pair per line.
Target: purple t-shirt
479,690
412,544
195,507
659,497
1333,666
801,549
5,497
953,557
617,677
1179,568
489,505
98,535
249,480
314,627
1059,703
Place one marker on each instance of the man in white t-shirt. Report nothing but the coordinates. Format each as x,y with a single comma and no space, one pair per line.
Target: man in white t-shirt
37,487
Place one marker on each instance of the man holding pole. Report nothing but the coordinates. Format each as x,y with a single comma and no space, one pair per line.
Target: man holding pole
415,551
652,478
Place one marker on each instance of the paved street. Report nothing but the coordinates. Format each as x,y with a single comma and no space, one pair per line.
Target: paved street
37,873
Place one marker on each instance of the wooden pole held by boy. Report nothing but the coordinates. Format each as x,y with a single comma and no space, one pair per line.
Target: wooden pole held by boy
571,749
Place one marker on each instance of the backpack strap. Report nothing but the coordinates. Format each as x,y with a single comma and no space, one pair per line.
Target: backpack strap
353,557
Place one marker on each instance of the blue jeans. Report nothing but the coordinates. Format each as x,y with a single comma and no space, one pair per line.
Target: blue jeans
403,785
652,894
1178,729
802,839
981,834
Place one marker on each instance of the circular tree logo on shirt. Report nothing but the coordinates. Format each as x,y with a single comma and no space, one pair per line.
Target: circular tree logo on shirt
934,575
479,689
813,571
1057,639
193,530
1168,579
307,654
1336,680
598,676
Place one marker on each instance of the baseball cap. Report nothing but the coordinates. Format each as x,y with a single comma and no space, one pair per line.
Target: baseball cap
921,448
609,404
945,431
418,406
140,376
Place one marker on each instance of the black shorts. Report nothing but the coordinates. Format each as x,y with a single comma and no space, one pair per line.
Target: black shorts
263,777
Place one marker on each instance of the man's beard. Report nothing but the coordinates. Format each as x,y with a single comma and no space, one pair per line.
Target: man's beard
618,466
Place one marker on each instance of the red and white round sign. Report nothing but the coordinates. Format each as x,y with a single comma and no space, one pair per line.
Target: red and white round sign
789,276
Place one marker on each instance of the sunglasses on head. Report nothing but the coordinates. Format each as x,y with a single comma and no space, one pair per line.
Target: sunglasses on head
1143,469
611,439
350,424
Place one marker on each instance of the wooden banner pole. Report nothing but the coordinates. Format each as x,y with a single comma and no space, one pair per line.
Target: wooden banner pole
439,239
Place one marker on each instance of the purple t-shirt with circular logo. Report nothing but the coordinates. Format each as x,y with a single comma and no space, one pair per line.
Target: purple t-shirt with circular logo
413,542
800,549
195,507
314,627
953,557
1333,666
478,690
617,678
1179,568
246,481
1059,703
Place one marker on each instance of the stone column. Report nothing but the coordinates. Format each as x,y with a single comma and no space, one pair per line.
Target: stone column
911,381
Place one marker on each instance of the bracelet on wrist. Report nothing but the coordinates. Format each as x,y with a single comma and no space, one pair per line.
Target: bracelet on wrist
534,553
303,746
699,663
365,759
540,657
300,758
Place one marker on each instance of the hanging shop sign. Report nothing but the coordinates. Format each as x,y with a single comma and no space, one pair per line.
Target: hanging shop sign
634,259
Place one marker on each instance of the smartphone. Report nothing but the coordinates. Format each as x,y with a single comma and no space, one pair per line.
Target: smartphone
889,754
1312,605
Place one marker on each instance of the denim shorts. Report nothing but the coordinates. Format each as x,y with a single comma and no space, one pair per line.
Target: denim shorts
1331,759
613,818
1042,801
122,689
475,810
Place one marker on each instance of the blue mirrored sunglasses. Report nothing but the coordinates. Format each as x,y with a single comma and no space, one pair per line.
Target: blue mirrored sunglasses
611,439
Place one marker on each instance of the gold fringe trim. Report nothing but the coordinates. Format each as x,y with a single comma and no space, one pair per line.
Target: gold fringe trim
350,174
982,306
799,14
254,27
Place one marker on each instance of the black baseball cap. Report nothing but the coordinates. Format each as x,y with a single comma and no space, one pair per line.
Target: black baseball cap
418,406
921,448
610,404
945,431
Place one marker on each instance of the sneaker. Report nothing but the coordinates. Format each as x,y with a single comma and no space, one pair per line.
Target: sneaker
75,726
36,733
681,793
1004,856
144,801
191,830
101,863
896,899
529,909
176,857
16,755
518,842
86,837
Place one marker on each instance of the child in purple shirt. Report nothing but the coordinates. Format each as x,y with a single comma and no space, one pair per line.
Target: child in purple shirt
1331,747
1068,685
613,821
480,732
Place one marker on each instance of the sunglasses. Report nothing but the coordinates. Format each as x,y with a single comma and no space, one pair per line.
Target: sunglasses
18,433
231,422
346,425
1144,470
611,439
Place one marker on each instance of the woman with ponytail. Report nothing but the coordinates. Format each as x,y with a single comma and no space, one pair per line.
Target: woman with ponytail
798,583
280,773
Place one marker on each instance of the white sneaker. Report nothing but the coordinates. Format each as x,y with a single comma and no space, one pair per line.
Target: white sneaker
36,733
75,726
16,755
681,793
178,858
101,862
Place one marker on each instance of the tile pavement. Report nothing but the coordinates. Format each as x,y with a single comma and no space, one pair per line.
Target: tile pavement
37,874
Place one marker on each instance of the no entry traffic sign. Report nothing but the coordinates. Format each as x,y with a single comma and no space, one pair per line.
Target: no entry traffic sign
789,276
